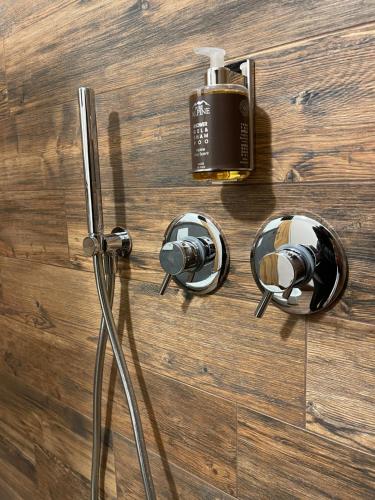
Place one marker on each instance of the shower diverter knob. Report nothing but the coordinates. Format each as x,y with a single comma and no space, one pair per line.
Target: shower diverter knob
194,254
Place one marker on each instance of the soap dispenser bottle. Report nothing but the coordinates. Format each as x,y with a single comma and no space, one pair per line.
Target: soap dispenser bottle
219,121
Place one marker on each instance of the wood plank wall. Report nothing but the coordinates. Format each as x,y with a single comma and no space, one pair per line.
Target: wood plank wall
281,407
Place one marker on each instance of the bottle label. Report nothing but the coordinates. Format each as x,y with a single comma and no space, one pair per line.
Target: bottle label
219,124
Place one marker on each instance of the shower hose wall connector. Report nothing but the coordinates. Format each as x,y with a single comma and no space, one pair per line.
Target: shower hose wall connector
105,250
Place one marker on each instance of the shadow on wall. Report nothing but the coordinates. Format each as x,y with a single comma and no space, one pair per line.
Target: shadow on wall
239,199
125,321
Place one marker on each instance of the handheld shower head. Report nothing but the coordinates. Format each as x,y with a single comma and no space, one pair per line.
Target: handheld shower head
87,113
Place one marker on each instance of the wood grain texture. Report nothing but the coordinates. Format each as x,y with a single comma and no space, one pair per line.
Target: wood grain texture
30,417
18,474
25,357
277,460
73,315
144,135
33,226
198,433
3,84
171,482
230,356
44,144
8,145
57,74
333,112
17,14
197,363
56,481
185,426
340,382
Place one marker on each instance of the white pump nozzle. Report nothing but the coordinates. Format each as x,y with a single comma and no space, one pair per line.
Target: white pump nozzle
243,68
215,54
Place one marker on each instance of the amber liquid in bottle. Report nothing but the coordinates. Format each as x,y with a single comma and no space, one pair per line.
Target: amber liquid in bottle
219,118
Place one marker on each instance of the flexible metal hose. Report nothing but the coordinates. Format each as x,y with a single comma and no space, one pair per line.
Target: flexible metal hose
98,384
111,331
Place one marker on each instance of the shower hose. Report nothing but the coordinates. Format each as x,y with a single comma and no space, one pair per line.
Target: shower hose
104,268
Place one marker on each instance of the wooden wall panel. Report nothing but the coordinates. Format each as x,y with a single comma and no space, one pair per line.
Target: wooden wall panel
72,314
304,402
170,481
25,172
277,460
231,356
154,133
239,209
56,74
144,134
186,427
33,226
17,14
3,85
234,356
56,481
30,417
17,472
340,382
196,419
19,427
44,137
8,147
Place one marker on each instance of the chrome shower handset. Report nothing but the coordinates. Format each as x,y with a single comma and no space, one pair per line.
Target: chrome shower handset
105,249
118,241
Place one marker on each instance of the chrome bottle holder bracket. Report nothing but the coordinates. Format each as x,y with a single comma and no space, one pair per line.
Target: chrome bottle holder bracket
194,254
237,77
299,264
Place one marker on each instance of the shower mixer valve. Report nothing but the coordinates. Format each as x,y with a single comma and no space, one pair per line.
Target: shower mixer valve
194,254
299,264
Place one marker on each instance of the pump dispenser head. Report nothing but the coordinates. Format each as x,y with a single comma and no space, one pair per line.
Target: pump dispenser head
215,54
217,72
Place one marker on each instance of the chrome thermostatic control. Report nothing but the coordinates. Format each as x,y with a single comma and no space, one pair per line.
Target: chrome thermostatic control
298,263
194,253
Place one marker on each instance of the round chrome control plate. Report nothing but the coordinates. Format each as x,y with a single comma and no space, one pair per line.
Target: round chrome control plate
331,270
212,275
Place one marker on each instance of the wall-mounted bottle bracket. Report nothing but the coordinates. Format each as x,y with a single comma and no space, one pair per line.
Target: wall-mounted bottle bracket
195,254
299,264
239,72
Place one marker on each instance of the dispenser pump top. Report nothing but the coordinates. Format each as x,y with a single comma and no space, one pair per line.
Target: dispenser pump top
217,73
215,54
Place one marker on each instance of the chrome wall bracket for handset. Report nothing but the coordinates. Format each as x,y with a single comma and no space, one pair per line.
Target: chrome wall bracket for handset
299,264
195,254
118,243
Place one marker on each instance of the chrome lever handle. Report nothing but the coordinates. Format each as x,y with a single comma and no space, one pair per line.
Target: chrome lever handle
87,113
265,300
164,285
263,303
